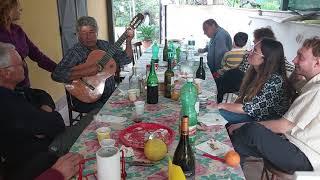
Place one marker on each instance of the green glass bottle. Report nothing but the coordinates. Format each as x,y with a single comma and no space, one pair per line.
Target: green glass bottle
178,54
165,50
152,86
155,52
168,80
171,50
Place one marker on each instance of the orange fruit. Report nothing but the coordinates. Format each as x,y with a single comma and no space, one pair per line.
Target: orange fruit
232,158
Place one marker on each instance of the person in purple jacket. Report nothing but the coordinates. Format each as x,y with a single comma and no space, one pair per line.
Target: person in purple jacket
12,33
65,168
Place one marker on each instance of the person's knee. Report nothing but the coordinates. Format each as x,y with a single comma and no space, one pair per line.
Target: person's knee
251,129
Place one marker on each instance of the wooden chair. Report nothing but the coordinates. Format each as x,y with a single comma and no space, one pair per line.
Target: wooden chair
136,51
269,171
71,109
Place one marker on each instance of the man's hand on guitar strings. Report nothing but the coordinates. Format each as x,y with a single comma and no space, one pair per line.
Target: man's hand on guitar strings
83,70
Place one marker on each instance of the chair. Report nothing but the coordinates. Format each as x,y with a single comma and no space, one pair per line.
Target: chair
269,170
136,51
71,109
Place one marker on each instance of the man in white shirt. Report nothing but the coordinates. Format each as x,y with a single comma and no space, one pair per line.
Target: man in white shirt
300,150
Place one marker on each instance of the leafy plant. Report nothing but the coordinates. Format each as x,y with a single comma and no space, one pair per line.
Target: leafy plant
146,32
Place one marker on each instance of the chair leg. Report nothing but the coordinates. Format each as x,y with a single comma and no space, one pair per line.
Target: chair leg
264,174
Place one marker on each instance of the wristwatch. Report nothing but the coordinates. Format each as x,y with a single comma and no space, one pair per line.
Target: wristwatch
100,67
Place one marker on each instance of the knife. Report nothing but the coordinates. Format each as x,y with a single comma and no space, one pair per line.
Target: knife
141,163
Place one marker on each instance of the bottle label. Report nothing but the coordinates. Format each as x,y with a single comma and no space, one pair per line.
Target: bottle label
192,131
197,106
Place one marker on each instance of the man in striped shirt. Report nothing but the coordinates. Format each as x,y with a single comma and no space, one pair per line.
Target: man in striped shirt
233,58
87,30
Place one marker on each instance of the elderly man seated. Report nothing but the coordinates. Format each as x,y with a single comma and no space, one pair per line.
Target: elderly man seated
29,124
300,150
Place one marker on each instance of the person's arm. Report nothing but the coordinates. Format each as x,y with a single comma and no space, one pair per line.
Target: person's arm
40,98
65,168
36,55
205,49
129,51
30,120
67,71
51,174
125,57
233,107
278,126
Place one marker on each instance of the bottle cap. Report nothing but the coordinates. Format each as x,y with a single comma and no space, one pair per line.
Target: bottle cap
190,80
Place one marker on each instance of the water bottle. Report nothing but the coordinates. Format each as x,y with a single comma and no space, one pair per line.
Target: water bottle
188,98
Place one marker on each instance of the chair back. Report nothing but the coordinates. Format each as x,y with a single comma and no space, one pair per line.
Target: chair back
71,109
136,51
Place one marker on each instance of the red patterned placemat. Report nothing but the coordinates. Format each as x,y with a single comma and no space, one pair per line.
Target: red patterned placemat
136,135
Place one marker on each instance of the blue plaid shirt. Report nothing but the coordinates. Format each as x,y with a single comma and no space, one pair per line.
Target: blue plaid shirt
78,55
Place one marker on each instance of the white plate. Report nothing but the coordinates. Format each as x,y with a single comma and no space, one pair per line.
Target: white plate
221,148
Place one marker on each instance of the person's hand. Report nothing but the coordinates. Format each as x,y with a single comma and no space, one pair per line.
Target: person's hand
221,105
67,165
130,34
233,127
200,50
46,108
213,105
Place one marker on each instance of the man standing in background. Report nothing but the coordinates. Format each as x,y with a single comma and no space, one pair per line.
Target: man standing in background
220,43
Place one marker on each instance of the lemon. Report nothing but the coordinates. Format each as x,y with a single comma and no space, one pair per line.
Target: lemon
155,149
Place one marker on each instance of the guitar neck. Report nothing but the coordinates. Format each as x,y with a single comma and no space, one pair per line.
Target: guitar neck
103,61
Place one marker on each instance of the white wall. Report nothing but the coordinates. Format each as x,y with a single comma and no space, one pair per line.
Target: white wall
290,34
186,20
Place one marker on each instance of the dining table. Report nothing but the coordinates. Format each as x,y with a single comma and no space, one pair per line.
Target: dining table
166,113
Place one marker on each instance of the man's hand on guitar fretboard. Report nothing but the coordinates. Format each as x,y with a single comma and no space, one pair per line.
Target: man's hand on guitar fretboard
130,34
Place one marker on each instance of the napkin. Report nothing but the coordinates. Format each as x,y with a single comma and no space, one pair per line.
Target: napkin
216,148
128,151
109,118
212,118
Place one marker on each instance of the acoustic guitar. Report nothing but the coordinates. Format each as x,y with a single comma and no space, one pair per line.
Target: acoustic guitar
89,89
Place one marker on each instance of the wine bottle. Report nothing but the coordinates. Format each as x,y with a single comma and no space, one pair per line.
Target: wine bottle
165,50
200,71
183,155
168,80
152,86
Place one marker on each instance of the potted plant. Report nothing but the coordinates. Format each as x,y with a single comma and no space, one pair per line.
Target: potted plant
146,34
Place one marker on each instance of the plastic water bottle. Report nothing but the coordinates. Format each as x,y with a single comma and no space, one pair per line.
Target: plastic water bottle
188,98
191,48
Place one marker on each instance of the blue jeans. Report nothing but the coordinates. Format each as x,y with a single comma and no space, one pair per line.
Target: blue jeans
234,118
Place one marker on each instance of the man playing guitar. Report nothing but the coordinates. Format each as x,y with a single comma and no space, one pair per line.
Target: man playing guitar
68,69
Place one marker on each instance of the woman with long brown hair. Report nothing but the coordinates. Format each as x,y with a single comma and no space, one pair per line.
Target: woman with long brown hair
12,33
265,92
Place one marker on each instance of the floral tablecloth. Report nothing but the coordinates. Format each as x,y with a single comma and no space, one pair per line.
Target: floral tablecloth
166,112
